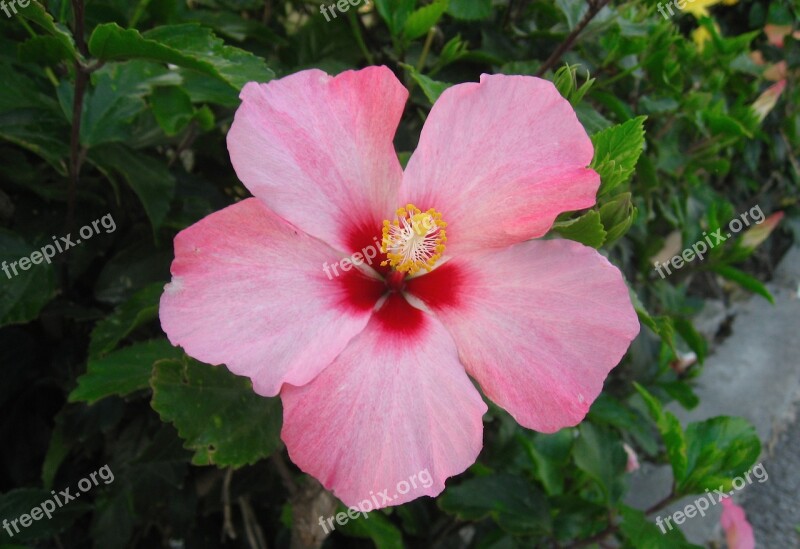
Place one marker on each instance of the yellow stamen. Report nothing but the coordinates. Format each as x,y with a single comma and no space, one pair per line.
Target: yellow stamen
413,241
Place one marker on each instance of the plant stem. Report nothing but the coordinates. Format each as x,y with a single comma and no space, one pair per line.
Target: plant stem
77,153
353,19
594,8
426,48
661,504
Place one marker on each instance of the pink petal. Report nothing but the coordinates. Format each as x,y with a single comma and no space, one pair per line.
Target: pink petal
738,531
318,150
394,404
539,325
248,290
500,159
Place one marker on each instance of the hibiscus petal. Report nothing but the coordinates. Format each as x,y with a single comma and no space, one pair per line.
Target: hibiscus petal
738,531
318,150
539,325
396,403
249,290
500,159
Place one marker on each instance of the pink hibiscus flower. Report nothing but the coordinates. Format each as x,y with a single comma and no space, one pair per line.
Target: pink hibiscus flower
373,365
738,532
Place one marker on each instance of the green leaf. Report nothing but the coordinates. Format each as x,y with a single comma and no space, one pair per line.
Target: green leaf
423,19
36,13
172,108
587,229
599,452
24,294
470,10
744,280
57,451
218,414
432,88
44,50
566,82
395,13
608,410
40,132
550,454
516,505
692,337
149,178
682,392
671,432
374,526
108,113
643,533
189,45
617,216
616,151
141,308
23,500
122,372
719,449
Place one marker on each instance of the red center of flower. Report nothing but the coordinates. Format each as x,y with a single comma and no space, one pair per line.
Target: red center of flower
436,287
395,281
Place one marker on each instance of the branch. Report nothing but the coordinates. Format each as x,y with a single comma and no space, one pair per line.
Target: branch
594,8
76,153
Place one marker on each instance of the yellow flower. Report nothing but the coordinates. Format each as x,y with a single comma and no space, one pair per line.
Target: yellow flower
699,8
701,35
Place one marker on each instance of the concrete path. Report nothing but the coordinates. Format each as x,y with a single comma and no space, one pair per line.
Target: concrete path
755,374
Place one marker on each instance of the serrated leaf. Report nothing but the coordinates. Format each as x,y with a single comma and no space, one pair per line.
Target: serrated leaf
36,13
218,414
616,151
122,372
587,229
189,45
719,450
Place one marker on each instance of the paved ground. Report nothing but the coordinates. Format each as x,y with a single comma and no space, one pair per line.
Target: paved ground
754,373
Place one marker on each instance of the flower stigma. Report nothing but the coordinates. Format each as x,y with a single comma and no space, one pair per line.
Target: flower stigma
413,241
